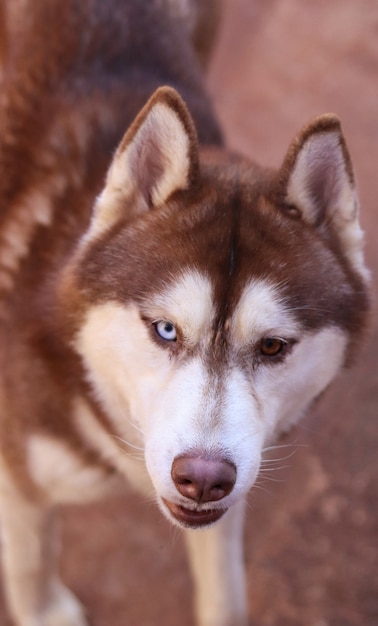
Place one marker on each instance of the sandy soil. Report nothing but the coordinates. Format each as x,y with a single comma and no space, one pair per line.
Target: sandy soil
311,539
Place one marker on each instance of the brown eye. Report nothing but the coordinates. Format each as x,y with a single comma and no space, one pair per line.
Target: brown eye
271,346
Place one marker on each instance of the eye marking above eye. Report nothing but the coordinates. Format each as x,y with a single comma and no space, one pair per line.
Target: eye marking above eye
166,330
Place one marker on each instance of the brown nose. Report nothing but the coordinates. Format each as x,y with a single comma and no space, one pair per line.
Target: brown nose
203,479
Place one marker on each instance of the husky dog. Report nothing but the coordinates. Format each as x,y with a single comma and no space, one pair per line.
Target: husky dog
187,301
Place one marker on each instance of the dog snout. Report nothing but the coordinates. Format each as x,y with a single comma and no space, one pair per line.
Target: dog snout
203,479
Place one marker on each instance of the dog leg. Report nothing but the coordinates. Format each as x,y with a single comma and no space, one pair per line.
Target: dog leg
216,559
35,595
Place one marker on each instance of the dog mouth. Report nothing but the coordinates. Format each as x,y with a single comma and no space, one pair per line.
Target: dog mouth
192,518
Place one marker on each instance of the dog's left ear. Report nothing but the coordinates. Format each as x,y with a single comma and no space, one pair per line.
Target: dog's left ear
317,179
157,156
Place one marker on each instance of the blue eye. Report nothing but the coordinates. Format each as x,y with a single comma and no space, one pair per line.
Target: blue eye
166,330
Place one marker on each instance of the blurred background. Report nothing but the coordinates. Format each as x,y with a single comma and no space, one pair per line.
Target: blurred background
312,532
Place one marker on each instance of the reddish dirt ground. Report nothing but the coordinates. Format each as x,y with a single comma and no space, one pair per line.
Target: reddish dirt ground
311,538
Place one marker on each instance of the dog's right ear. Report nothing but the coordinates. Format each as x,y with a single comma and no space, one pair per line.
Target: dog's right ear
317,181
157,156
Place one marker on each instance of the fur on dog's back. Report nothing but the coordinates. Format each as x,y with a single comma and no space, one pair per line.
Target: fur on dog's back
67,98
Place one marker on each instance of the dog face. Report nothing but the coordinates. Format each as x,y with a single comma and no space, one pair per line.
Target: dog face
217,301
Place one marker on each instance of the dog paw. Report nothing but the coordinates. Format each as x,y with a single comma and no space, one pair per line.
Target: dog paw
64,610
58,608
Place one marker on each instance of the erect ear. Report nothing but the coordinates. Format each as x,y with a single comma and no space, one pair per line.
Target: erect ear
157,156
317,179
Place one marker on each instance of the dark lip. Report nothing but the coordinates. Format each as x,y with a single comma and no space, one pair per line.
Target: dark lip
193,519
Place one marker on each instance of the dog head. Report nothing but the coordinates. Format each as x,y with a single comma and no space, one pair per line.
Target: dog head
217,299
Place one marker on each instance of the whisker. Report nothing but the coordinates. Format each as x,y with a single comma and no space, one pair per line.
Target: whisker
127,443
136,457
150,499
271,479
278,459
248,505
279,446
258,486
274,469
127,419
248,436
309,308
175,533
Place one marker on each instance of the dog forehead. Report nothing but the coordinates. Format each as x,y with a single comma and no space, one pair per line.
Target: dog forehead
260,309
191,303
188,301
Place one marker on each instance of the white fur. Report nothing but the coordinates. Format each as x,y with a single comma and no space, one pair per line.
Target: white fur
194,415
60,473
120,453
126,369
260,311
216,559
188,303
170,407
29,552
285,390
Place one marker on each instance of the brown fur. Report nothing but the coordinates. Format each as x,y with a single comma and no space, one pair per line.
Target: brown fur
65,103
